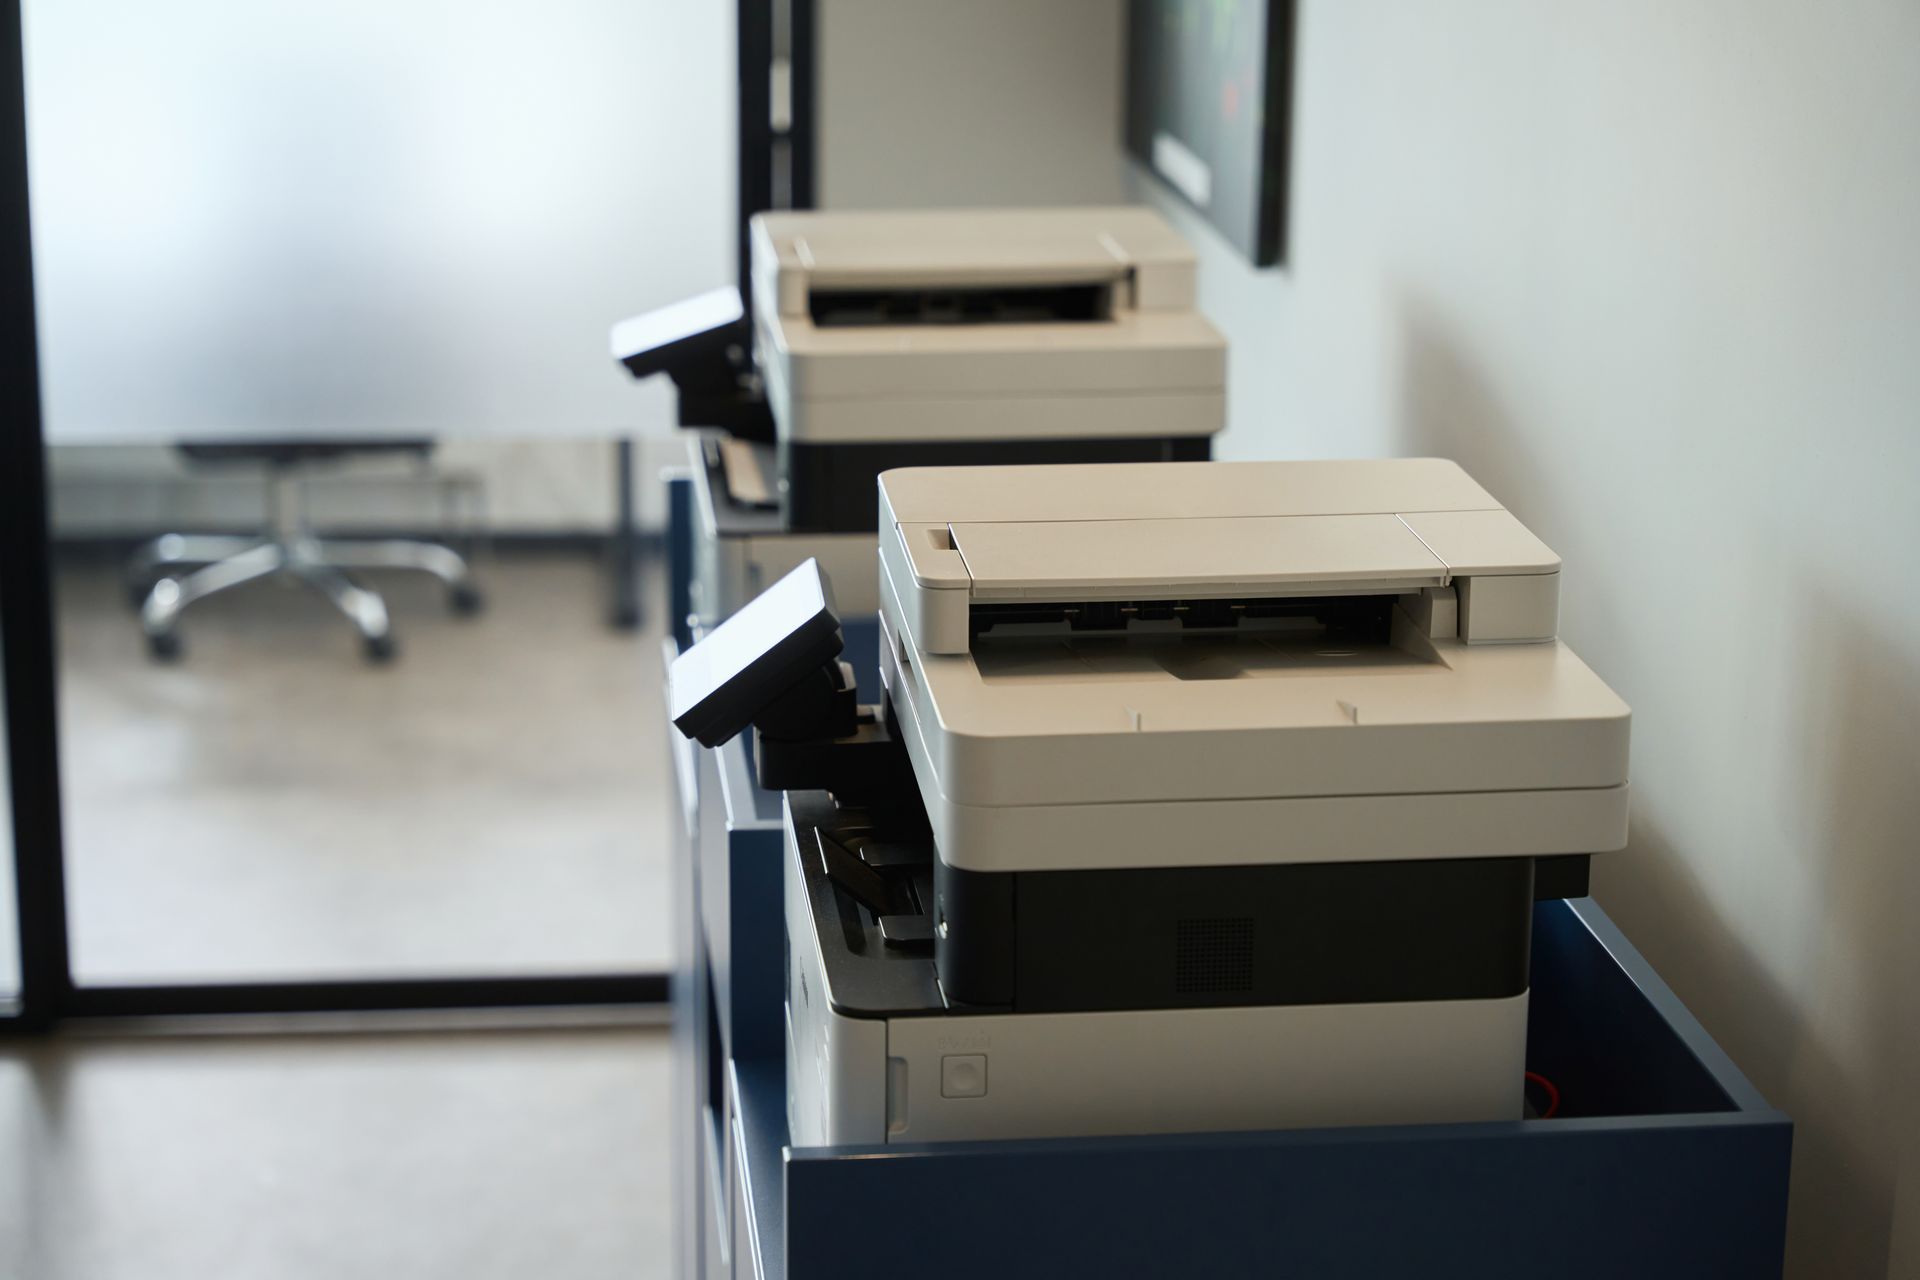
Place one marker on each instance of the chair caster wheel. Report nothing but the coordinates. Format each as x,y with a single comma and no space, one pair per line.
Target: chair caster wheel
379,649
163,646
466,600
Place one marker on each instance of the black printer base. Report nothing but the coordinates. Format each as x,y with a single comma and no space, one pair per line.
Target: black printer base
1187,937
1149,938
834,487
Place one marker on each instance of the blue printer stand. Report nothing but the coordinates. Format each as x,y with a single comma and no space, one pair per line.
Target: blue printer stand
1664,1162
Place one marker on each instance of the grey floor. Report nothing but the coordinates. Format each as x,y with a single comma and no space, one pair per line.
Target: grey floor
463,1156
273,807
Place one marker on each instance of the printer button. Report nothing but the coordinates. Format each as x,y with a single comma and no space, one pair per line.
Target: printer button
963,1075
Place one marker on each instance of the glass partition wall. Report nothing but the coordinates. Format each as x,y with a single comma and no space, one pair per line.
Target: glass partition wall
352,224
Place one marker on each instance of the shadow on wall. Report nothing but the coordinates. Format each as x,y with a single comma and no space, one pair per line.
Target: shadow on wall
1841,1053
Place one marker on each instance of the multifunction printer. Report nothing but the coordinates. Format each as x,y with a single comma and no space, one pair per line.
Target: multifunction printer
880,340
1203,796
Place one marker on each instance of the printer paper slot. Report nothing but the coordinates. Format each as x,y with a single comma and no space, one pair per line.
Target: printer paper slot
1361,619
1008,304
1195,640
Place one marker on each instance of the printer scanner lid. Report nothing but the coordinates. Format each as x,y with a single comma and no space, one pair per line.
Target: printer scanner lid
1206,530
1181,490
811,249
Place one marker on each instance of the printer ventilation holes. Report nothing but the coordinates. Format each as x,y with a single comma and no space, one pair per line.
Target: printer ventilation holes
1213,954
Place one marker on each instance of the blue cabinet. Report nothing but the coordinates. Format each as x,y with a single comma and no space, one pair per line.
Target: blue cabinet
1664,1160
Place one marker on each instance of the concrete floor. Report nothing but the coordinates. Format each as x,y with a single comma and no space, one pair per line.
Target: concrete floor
271,806
468,1156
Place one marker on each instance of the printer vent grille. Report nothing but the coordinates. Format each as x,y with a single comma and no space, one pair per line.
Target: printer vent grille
1213,954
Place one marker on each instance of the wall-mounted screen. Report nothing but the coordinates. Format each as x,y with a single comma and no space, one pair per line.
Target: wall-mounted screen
1208,94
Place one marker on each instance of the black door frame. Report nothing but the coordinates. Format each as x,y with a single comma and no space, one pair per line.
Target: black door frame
48,993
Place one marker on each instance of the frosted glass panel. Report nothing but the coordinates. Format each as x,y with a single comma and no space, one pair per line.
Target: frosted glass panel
272,218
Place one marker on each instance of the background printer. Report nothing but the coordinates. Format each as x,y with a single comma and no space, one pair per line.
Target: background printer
1228,820
880,340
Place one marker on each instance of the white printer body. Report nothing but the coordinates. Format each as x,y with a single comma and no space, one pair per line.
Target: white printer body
1466,729
1240,781
947,338
991,324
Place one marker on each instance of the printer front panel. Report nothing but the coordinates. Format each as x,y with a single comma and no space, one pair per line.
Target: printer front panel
1447,824
1125,355
1113,800
1002,1076
977,396
921,1068
1187,418
1083,717
882,1051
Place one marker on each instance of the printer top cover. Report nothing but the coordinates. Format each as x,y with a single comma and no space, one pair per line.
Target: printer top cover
1289,660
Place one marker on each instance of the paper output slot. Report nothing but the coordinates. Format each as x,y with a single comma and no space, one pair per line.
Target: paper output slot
1010,304
1107,657
1347,619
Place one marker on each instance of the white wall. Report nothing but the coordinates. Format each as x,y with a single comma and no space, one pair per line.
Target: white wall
929,103
1651,271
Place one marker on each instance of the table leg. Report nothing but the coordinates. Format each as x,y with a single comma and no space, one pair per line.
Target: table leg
623,547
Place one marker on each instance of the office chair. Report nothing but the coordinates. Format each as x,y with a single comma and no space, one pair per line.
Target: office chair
163,589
